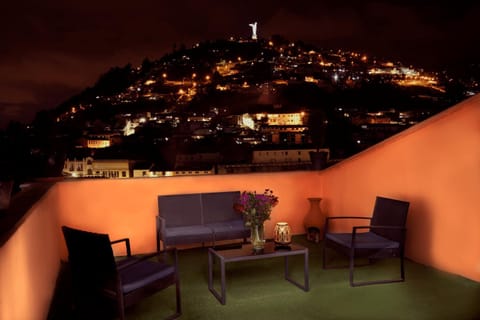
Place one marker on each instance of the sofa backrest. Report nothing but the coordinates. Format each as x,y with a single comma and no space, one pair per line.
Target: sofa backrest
198,208
219,206
180,209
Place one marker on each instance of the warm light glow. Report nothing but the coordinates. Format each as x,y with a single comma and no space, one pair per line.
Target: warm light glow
222,88
247,121
310,79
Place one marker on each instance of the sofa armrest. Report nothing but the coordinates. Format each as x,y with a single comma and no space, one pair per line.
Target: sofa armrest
161,233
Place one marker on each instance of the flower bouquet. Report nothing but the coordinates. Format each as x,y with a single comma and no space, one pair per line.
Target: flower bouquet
256,208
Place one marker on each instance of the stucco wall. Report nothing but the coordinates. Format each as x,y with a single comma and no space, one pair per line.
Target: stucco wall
436,166
127,208
29,264
30,259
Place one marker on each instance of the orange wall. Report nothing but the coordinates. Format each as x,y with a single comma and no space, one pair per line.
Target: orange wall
29,264
30,259
436,166
127,208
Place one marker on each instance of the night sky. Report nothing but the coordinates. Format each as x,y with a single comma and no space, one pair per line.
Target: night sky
51,50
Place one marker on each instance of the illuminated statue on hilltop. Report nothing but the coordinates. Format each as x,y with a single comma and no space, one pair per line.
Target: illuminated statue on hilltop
254,30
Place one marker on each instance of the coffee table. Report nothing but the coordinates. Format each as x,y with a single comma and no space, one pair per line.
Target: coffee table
245,253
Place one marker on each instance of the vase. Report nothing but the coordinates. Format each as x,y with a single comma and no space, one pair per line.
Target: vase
257,237
283,234
314,221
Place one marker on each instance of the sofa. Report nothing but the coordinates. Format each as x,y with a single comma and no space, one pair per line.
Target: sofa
199,218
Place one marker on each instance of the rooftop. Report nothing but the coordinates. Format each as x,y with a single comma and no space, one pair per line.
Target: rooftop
257,290
434,165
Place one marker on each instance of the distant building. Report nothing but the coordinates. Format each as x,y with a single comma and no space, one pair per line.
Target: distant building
190,172
145,170
282,119
285,134
185,160
152,173
275,128
99,141
266,156
90,168
272,119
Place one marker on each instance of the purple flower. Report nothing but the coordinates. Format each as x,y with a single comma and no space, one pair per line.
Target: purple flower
256,208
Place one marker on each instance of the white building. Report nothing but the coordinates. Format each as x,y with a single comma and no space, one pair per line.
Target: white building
90,168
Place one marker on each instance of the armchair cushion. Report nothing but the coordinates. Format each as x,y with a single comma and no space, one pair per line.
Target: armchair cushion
366,240
144,273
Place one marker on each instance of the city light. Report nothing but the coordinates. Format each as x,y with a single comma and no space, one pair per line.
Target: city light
272,81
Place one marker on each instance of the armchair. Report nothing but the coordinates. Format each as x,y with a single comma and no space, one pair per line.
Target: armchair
383,237
95,270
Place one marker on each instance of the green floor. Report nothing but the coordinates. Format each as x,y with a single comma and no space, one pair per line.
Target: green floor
257,290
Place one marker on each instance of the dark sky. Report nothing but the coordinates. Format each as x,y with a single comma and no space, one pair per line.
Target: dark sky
53,49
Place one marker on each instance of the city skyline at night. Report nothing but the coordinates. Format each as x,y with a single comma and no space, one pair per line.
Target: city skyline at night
55,50
231,106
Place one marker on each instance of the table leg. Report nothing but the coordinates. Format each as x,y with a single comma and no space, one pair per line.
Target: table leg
220,296
306,272
286,270
210,271
305,286
224,285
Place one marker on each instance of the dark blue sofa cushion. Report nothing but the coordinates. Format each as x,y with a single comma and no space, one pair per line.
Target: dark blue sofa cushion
180,209
188,234
229,230
219,206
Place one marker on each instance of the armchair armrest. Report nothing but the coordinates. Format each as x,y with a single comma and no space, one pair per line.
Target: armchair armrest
378,227
161,256
327,220
127,245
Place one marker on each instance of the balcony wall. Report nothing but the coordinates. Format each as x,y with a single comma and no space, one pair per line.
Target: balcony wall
436,166
30,259
128,207
29,264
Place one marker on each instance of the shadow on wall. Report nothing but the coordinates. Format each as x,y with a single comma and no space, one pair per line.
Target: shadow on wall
418,245
5,194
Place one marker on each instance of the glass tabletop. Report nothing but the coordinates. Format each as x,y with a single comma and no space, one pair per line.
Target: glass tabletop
270,250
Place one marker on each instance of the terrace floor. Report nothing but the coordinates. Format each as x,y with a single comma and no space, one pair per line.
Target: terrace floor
257,290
